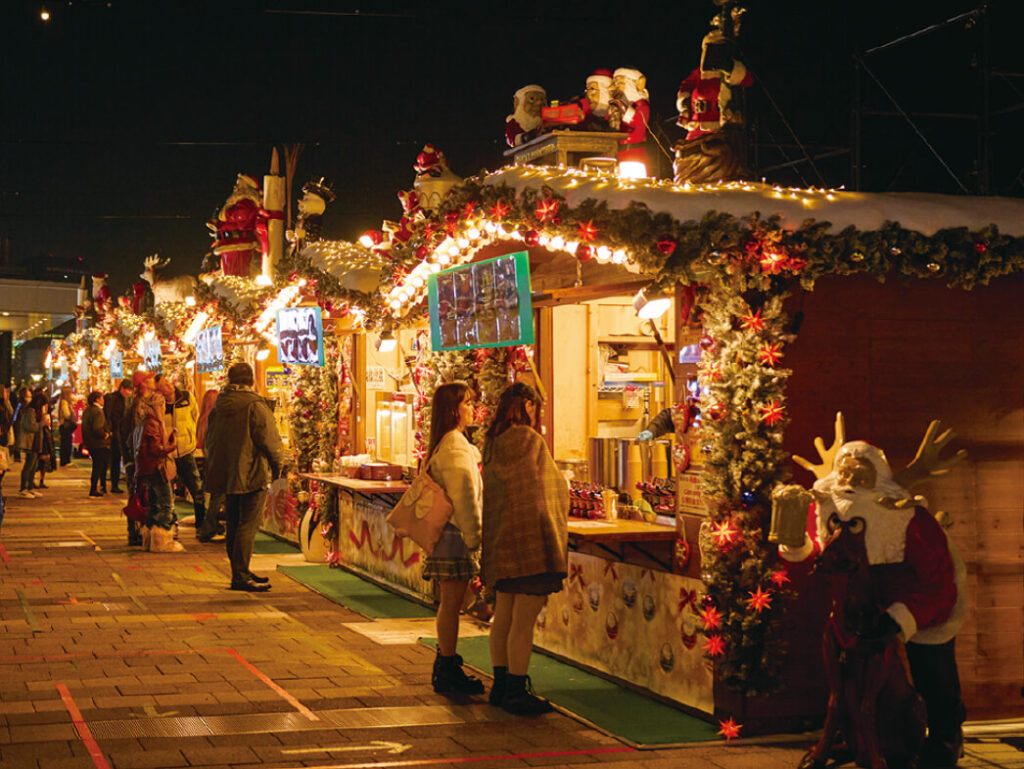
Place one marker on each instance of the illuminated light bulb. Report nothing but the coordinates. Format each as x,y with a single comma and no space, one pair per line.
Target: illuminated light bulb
445,259
632,169
435,268
571,246
462,243
542,239
301,283
452,253
190,301
263,280
558,242
395,304
473,233
417,281
44,15
604,253
619,256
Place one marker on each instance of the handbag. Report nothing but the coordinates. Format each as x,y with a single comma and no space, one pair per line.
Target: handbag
422,512
137,506
5,460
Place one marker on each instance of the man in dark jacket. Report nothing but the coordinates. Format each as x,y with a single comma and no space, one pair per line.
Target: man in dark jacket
243,454
116,412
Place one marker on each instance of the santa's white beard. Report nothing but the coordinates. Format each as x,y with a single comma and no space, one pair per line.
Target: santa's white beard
885,528
631,94
600,108
525,120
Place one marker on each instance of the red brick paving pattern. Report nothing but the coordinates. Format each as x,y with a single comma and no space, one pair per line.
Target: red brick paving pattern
158,657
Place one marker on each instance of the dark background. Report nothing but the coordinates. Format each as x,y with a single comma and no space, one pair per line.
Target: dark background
125,123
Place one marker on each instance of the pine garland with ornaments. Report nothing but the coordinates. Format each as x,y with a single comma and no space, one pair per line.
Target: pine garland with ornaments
743,412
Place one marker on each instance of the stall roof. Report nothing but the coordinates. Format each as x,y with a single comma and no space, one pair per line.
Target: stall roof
866,211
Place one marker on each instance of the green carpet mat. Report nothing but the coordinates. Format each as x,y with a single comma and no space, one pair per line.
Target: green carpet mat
268,545
357,594
627,714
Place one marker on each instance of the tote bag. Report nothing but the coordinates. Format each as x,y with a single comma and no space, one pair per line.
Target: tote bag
422,511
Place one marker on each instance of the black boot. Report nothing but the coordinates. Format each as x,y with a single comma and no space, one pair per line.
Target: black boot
200,509
498,688
450,678
519,700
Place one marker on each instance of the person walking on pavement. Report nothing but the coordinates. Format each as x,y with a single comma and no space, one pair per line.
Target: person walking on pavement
454,463
185,412
525,551
67,424
115,409
6,441
211,526
154,467
24,396
243,454
30,440
96,437
47,457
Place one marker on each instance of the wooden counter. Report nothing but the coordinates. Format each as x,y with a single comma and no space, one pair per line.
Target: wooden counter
620,531
355,484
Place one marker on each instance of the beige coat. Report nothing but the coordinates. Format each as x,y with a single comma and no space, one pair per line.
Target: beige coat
455,465
526,509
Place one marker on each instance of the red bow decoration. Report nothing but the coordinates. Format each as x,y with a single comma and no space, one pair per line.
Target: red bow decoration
576,572
609,566
647,573
687,598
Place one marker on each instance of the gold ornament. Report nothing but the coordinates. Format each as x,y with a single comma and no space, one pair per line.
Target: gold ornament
856,256
934,266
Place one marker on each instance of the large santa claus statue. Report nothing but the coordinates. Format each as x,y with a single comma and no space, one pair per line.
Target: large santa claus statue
705,97
919,577
236,240
101,297
631,100
525,121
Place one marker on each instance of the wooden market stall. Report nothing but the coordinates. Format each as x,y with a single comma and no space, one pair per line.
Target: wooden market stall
771,363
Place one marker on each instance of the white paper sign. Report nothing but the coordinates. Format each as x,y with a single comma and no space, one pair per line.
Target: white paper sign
375,377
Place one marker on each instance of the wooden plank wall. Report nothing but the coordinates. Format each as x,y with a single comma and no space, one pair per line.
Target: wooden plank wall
892,357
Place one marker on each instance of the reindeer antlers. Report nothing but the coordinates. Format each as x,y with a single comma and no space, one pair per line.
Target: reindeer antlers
926,464
155,261
828,456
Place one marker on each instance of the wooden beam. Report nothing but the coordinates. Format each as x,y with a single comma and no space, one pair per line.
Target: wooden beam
577,294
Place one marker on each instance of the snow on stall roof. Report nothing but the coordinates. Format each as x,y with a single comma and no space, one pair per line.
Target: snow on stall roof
925,213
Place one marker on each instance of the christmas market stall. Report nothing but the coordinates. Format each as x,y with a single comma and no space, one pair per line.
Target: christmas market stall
785,305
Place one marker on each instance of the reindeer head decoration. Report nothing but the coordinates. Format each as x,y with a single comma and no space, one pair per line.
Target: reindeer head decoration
154,267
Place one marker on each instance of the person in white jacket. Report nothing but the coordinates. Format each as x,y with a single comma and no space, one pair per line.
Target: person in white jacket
454,463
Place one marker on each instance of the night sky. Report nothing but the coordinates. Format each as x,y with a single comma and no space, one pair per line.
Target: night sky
125,123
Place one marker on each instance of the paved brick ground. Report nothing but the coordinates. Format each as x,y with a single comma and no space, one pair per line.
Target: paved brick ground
110,657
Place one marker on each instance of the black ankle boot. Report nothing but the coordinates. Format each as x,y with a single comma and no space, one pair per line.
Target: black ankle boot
498,688
450,678
519,700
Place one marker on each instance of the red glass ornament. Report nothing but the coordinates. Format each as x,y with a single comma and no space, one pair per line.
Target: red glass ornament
584,253
531,238
980,247
667,245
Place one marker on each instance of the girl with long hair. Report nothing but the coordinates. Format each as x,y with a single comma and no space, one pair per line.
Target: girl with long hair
454,463
525,550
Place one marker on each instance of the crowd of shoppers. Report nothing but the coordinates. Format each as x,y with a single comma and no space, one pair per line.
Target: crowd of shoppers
509,524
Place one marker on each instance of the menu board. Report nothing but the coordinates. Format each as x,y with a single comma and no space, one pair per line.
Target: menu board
484,304
300,336
209,349
116,365
152,356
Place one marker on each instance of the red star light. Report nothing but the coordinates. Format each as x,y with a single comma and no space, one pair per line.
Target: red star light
467,209
546,210
710,371
730,729
714,645
772,412
770,353
753,321
499,210
759,599
587,231
772,262
780,577
711,618
724,533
